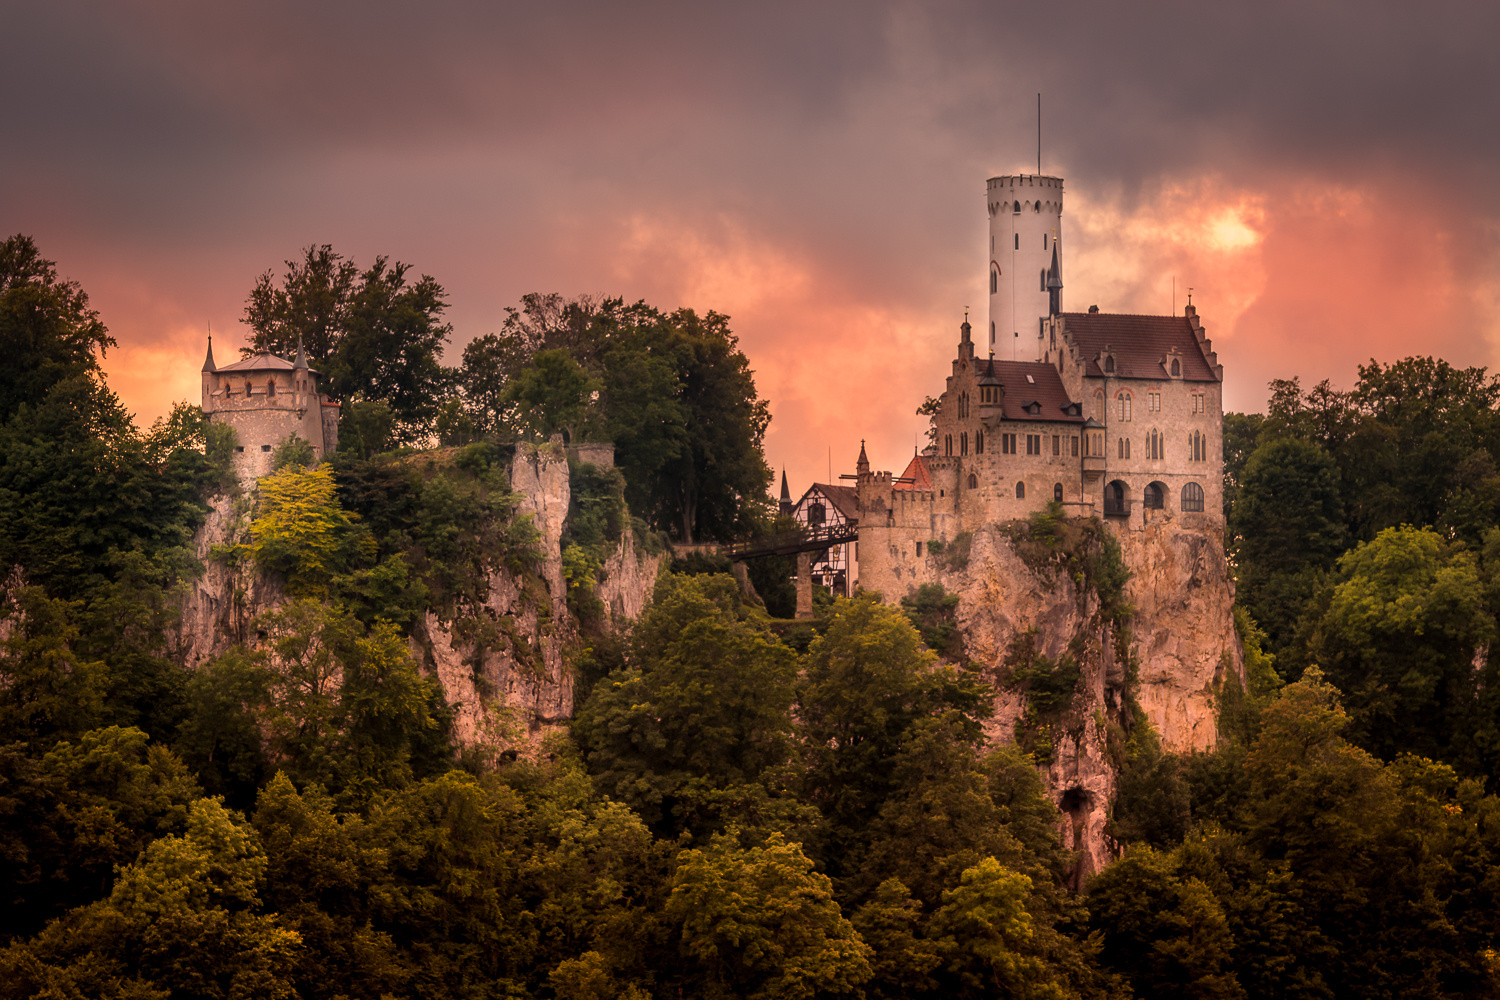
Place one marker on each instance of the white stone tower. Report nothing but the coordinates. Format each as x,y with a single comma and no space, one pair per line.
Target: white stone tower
1025,227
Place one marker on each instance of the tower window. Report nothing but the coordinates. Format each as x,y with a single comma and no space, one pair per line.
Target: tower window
992,330
1018,241
265,447
994,281
973,481
1057,492
1015,208
1043,281
1044,241
1021,490
271,388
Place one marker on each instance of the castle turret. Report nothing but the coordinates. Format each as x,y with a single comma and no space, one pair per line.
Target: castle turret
862,467
209,370
1025,232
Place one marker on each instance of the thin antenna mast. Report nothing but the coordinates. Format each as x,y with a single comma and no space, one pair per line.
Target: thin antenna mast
1039,135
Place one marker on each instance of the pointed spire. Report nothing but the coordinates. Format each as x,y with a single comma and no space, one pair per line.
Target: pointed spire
786,496
1054,284
301,361
208,362
862,467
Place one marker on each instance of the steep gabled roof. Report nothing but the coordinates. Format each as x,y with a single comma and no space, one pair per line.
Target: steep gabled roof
1031,385
843,498
919,474
1138,344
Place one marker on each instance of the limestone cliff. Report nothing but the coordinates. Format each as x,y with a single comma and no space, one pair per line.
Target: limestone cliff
504,666
1016,601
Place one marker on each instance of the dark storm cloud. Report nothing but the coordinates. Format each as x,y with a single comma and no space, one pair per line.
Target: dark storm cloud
703,154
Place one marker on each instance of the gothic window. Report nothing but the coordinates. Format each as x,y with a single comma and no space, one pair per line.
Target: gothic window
948,444
1123,448
1057,492
1192,497
1020,490
992,327
1154,448
973,481
1015,208
1124,400
994,287
1196,446
1176,368
1109,365
247,388
979,442
963,443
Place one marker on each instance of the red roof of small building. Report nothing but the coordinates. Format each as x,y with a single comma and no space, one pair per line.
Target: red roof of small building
1027,383
918,473
1139,345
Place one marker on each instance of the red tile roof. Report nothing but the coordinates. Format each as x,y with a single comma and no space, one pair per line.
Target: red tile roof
1028,382
917,471
1138,343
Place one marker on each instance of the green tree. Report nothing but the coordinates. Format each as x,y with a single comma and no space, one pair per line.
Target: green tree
47,329
985,934
1168,935
182,920
1287,527
551,395
698,733
759,922
1400,637
46,689
375,335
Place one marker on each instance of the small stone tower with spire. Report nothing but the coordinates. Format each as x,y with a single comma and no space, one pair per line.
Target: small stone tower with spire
267,400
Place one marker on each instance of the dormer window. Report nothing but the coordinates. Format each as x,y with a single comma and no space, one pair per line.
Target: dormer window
1176,368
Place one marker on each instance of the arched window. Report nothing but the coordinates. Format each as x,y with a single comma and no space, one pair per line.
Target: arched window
1122,448
1037,207
1176,368
1020,490
1015,208
1109,365
963,443
247,388
1155,497
1123,399
1196,446
979,442
992,335
1155,448
973,481
1115,503
228,388
271,388
1192,497
816,514
1057,492
948,444
994,281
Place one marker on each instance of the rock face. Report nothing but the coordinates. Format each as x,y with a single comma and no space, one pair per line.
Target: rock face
1181,641
504,666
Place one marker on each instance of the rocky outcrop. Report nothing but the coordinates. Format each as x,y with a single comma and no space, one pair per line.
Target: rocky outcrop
1181,643
504,666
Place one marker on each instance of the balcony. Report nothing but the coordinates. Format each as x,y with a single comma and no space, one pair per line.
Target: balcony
1093,467
1116,508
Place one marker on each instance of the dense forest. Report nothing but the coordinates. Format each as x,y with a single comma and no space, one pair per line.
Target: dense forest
741,806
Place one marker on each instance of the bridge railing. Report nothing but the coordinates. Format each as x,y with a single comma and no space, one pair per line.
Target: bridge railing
789,542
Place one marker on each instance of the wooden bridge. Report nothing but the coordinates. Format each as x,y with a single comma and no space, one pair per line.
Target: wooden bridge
788,543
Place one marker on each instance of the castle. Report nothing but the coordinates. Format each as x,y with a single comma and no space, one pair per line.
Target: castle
267,399
1110,414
